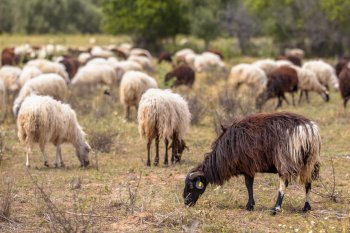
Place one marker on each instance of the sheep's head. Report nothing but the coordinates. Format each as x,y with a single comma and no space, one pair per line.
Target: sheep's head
195,185
262,98
181,146
83,154
325,96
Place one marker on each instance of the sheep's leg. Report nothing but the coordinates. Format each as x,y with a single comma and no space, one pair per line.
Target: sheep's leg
307,205
174,148
29,151
345,102
285,99
156,160
42,148
249,184
149,153
283,185
59,160
293,99
279,103
127,113
301,96
307,96
166,141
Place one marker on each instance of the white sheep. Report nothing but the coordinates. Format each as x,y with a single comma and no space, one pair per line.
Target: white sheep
97,51
83,58
144,62
10,75
248,75
132,86
307,81
296,52
325,73
207,61
45,84
42,119
267,65
2,96
140,52
47,66
28,73
95,74
163,115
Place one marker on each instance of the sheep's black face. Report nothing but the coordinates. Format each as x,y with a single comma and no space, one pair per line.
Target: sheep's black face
194,188
180,149
325,96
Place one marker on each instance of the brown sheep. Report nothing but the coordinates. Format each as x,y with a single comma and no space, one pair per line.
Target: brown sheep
71,64
282,143
344,84
8,57
281,80
183,74
165,56
343,61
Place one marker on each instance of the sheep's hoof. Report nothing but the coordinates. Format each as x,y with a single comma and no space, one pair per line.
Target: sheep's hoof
27,165
62,164
148,163
46,164
86,163
307,207
156,163
166,163
249,207
275,210
56,165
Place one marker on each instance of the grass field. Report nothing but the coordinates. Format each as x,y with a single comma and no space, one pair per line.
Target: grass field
118,193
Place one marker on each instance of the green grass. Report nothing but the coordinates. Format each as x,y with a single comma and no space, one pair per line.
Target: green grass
158,205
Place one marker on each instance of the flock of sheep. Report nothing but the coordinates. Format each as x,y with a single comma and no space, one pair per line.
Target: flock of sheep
42,84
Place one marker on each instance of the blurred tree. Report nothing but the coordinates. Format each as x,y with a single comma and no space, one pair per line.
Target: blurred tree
5,16
205,19
147,21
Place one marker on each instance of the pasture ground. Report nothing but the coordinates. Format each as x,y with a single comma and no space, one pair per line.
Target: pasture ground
123,195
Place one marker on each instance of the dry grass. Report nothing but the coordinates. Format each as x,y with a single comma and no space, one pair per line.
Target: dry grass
124,195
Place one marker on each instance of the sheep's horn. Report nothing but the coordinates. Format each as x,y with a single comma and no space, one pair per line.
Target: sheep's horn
193,175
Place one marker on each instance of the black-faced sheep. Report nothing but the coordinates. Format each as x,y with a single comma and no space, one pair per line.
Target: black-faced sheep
164,115
281,80
42,119
344,84
132,86
342,62
46,84
284,143
183,74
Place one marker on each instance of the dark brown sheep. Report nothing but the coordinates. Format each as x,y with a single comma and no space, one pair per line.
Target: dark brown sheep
71,64
293,59
165,56
8,57
342,62
183,74
344,85
281,80
284,143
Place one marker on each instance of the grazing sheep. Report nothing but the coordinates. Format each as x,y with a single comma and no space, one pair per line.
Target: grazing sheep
46,84
28,73
95,74
181,54
248,75
165,56
284,143
119,53
295,52
267,65
47,66
140,52
183,74
307,81
132,86
342,62
42,119
281,80
71,65
295,60
8,57
325,73
208,61
83,58
164,115
144,62
217,52
97,51
10,75
344,84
